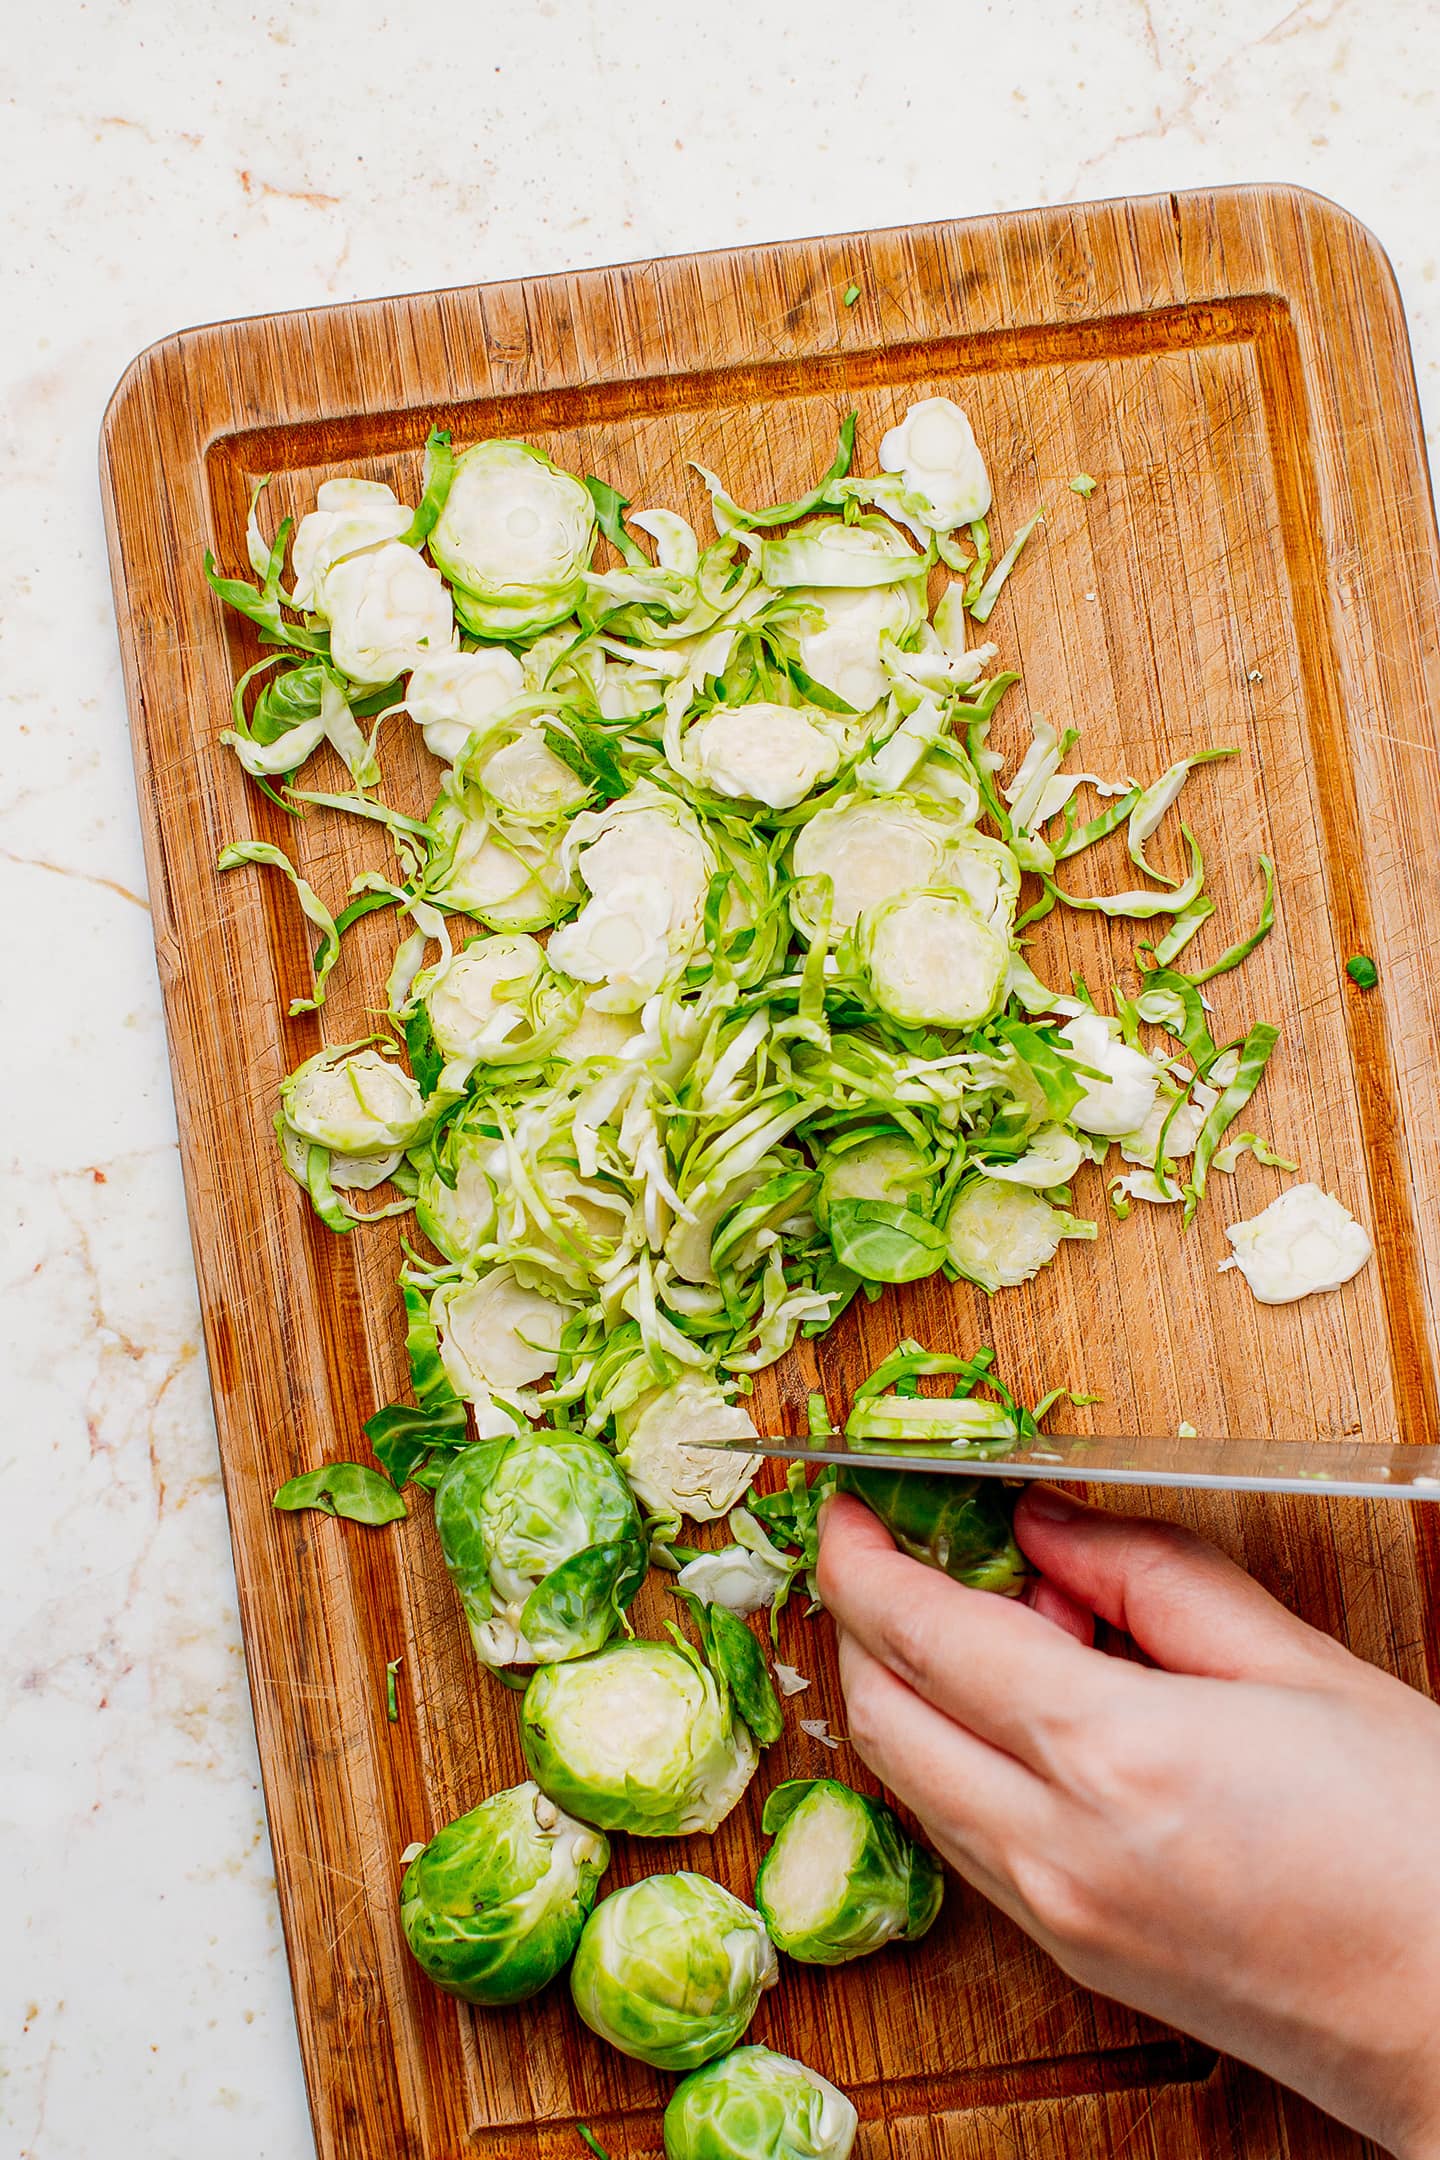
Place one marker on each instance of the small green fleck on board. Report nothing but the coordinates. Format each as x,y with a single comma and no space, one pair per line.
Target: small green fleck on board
851,295
392,1700
1082,484
1362,971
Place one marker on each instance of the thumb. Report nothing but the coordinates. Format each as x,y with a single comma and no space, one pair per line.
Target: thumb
1183,1602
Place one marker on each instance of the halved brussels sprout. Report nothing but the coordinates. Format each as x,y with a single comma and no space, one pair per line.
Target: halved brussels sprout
960,1525
493,1906
1001,1235
515,539
756,2105
354,1102
543,1542
670,1970
932,961
639,1737
667,1471
843,1877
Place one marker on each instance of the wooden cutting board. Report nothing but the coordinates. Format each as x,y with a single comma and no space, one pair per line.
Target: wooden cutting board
1257,566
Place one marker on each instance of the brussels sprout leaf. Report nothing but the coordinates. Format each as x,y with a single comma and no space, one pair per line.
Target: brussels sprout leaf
347,1489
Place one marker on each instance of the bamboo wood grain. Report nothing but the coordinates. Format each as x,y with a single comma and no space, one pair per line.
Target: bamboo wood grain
1257,566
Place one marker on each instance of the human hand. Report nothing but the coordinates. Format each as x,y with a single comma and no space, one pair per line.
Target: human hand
1242,1839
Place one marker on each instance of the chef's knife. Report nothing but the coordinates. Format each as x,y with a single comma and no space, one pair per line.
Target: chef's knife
1363,1469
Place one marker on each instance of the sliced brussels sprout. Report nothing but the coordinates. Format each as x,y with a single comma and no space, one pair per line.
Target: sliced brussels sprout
510,876
543,1542
526,779
667,1471
598,1034
670,1970
349,1173
497,1333
871,851
459,1218
349,516
354,1102
515,539
939,462
842,652
770,754
646,864
639,1737
932,961
1121,1102
456,696
880,1167
960,1525
1001,1235
1052,1158
386,609
843,1876
825,551
493,1906
756,2105
478,999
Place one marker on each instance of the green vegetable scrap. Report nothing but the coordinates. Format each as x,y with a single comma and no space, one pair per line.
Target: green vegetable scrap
346,1488
850,295
1082,484
1362,971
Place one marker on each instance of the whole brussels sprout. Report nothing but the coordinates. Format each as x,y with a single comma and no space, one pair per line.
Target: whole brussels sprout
843,1876
670,1970
493,1906
543,1542
639,1737
756,2105
959,1525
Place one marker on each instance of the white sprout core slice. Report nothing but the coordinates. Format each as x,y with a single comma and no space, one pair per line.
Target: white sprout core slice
871,852
497,1334
468,1009
933,962
771,754
1304,1242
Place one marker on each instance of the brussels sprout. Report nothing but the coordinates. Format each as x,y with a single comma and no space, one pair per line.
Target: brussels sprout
496,1333
386,610
755,2105
453,697
669,1473
459,1218
877,1166
671,1969
871,851
770,754
479,999
960,1525
526,779
506,874
544,1544
940,465
354,1102
515,539
932,960
493,1906
1002,1235
639,1737
843,1876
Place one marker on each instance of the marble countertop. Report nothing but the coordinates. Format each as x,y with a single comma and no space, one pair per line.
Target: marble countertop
166,165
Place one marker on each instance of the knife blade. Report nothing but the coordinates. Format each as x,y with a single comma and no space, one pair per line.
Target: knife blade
1327,1469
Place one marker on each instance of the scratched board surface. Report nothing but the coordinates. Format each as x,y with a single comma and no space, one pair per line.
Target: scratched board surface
1257,567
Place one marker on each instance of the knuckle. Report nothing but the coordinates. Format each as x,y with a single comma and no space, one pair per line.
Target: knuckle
1061,1902
907,1643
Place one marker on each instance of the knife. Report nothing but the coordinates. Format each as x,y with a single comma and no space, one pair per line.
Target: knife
1330,1469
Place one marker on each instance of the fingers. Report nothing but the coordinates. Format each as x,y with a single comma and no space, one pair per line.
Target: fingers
972,1799
998,1668
1185,1604
1063,1611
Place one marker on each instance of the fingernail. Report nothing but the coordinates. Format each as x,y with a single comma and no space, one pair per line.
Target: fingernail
1050,1504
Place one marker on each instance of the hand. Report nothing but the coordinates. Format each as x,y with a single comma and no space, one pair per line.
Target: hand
1242,1839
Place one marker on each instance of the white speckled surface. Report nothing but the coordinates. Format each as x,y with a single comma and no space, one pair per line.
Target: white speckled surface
165,164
